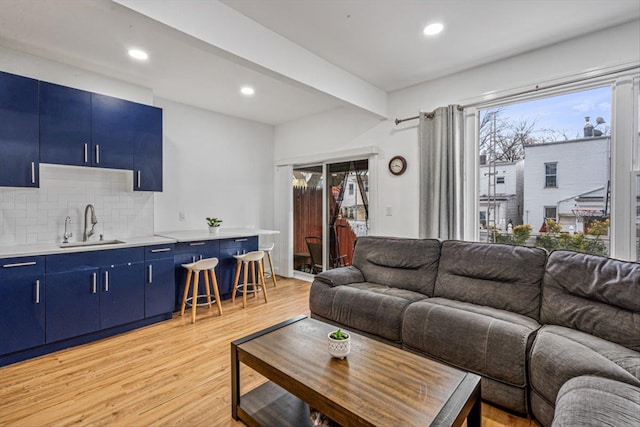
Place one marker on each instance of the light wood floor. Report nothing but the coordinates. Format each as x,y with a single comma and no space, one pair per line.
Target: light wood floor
173,373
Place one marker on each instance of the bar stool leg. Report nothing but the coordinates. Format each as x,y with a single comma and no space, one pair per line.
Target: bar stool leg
273,272
207,288
253,278
194,300
263,283
216,291
187,283
235,281
244,288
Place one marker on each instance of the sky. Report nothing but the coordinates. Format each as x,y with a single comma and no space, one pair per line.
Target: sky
565,113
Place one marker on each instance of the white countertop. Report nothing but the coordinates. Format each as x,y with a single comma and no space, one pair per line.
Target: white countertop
35,249
53,248
224,233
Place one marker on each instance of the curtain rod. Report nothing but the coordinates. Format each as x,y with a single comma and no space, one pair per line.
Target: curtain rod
525,92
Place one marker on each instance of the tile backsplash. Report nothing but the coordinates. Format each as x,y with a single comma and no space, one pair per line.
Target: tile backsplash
37,215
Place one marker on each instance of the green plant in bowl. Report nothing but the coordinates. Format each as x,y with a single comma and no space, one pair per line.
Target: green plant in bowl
213,222
339,335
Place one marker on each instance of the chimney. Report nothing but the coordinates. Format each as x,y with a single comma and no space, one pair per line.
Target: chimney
588,128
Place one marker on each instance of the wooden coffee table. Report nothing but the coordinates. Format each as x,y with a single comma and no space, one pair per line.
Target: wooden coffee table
376,384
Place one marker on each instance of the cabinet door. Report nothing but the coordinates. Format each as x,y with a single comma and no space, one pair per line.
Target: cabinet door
19,143
65,125
122,294
147,149
72,304
229,248
22,296
160,287
112,129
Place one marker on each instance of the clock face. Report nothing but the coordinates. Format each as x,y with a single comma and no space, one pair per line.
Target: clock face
397,165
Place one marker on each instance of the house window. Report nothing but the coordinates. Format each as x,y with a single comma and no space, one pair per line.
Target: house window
551,175
500,180
550,212
351,188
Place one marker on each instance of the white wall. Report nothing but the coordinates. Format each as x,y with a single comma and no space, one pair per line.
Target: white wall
214,166
343,128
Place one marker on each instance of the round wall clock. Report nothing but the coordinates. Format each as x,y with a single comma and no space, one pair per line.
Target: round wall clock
397,165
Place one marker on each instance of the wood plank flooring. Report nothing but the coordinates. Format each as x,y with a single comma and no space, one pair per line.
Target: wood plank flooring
170,374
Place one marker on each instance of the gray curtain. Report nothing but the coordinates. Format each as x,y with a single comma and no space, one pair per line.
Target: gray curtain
441,173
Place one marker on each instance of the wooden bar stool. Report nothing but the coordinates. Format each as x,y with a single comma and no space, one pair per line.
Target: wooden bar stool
248,261
207,265
271,273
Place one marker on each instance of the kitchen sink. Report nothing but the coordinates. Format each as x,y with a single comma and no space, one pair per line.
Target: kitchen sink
85,244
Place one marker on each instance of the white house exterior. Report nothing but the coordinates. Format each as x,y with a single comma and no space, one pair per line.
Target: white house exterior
500,193
566,181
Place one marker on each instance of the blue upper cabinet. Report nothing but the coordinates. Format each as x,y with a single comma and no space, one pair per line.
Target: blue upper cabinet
147,149
65,125
19,144
113,126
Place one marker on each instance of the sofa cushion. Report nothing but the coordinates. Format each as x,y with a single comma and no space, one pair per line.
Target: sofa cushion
487,341
398,262
593,294
369,307
505,277
341,276
591,401
560,353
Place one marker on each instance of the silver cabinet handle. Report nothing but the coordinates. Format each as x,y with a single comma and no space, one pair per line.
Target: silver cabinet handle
138,179
240,240
97,154
200,257
37,291
33,172
86,153
197,244
95,283
150,273
106,281
19,264
153,251
193,259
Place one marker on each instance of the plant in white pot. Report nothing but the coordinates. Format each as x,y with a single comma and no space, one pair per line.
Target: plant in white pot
214,224
339,344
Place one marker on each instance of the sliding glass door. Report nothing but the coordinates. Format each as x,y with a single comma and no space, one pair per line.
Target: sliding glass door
342,207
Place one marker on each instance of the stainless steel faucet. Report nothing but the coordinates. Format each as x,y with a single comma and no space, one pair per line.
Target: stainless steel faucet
67,234
94,221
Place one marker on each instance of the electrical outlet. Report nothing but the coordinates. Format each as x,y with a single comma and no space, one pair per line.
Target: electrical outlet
181,216
389,211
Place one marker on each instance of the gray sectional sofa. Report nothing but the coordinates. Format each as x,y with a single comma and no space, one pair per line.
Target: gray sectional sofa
532,325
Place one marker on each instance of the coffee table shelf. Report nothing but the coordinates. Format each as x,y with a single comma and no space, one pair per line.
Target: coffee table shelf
271,405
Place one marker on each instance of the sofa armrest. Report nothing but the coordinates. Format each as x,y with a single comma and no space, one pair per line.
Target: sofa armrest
341,276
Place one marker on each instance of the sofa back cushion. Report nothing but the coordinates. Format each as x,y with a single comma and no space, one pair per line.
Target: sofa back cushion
593,294
501,276
398,262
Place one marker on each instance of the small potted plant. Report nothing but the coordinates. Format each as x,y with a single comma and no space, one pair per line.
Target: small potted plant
214,224
339,344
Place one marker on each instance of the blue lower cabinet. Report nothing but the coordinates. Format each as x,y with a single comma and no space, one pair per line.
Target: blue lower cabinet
122,294
72,304
160,287
22,297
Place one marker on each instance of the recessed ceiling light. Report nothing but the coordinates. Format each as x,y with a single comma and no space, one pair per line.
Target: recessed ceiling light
138,54
433,29
247,90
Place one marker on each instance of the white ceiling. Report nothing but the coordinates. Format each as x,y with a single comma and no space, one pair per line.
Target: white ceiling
375,41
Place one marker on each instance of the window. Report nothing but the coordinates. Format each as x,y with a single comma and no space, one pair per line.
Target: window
351,188
550,175
526,141
550,212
